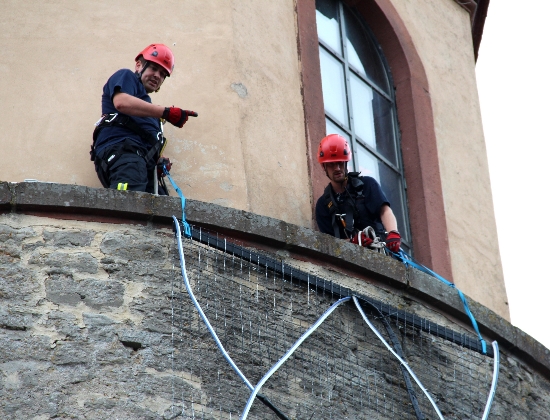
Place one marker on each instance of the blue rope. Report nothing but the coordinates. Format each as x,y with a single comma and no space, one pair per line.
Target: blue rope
186,227
407,260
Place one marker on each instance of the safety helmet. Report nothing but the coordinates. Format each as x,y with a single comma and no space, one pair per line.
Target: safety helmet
333,148
159,54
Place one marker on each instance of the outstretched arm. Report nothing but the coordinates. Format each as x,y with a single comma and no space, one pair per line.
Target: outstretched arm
130,105
135,107
388,218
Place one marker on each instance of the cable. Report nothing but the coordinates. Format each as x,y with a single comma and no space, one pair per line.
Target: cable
262,398
399,351
186,227
496,368
408,260
373,328
289,353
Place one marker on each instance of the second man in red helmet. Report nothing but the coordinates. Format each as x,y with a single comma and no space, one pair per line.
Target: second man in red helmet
128,139
351,202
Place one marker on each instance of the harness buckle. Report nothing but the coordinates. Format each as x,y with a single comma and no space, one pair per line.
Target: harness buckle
341,217
112,118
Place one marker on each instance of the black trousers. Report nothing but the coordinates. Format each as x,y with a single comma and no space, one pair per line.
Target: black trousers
128,171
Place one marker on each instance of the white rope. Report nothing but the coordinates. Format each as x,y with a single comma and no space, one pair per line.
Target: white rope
405,364
370,233
289,353
496,367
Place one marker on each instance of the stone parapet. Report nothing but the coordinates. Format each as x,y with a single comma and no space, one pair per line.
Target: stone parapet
110,206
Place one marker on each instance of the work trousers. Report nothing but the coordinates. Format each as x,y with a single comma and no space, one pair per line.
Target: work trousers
129,170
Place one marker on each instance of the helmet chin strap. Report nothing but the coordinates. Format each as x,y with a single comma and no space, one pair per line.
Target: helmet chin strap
139,74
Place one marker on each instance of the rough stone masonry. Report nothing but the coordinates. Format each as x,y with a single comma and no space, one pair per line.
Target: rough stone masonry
85,327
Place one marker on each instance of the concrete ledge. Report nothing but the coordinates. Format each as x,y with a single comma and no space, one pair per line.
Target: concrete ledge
106,205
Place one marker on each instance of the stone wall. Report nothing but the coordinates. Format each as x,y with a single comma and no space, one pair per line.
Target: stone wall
85,316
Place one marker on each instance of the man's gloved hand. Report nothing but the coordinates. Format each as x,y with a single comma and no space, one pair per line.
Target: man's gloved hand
393,241
177,116
365,240
163,162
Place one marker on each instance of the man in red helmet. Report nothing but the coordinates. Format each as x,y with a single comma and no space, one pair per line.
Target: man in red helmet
351,202
128,138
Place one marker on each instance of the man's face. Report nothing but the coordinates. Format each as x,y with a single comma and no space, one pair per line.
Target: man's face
152,77
336,171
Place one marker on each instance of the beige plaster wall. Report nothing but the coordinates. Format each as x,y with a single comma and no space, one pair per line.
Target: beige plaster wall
441,32
236,65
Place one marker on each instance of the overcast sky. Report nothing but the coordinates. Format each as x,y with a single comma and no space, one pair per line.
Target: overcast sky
512,77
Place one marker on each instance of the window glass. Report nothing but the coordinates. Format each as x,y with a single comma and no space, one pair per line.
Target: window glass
359,103
363,54
334,88
328,28
384,127
367,164
363,114
391,184
334,129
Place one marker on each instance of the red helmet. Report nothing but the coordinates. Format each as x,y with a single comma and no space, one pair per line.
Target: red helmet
333,148
160,54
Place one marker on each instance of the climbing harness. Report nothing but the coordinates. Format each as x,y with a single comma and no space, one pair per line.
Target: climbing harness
158,142
349,211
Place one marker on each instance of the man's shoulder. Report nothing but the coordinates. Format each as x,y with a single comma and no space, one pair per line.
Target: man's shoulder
122,73
368,180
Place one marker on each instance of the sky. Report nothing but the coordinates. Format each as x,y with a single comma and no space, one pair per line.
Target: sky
514,90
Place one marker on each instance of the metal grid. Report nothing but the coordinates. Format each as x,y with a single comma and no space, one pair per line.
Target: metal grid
342,371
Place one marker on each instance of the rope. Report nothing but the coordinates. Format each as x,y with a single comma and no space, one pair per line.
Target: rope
399,351
408,260
255,389
496,367
289,353
186,227
405,364
262,398
376,242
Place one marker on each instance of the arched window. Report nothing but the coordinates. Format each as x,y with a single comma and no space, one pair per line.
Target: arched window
359,101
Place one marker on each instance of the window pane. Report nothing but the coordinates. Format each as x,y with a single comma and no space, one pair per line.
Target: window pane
328,27
367,164
334,89
384,127
393,188
363,115
363,54
334,129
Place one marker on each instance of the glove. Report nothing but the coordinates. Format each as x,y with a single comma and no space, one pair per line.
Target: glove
177,116
365,240
163,162
393,241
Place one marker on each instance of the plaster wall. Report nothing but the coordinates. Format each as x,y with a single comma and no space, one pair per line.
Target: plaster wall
441,32
236,65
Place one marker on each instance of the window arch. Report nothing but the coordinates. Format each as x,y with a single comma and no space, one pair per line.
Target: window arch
359,101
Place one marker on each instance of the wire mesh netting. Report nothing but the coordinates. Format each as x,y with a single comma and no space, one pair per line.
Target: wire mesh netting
341,371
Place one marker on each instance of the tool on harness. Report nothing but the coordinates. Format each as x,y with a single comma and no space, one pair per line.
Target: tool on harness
158,142
348,211
341,217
